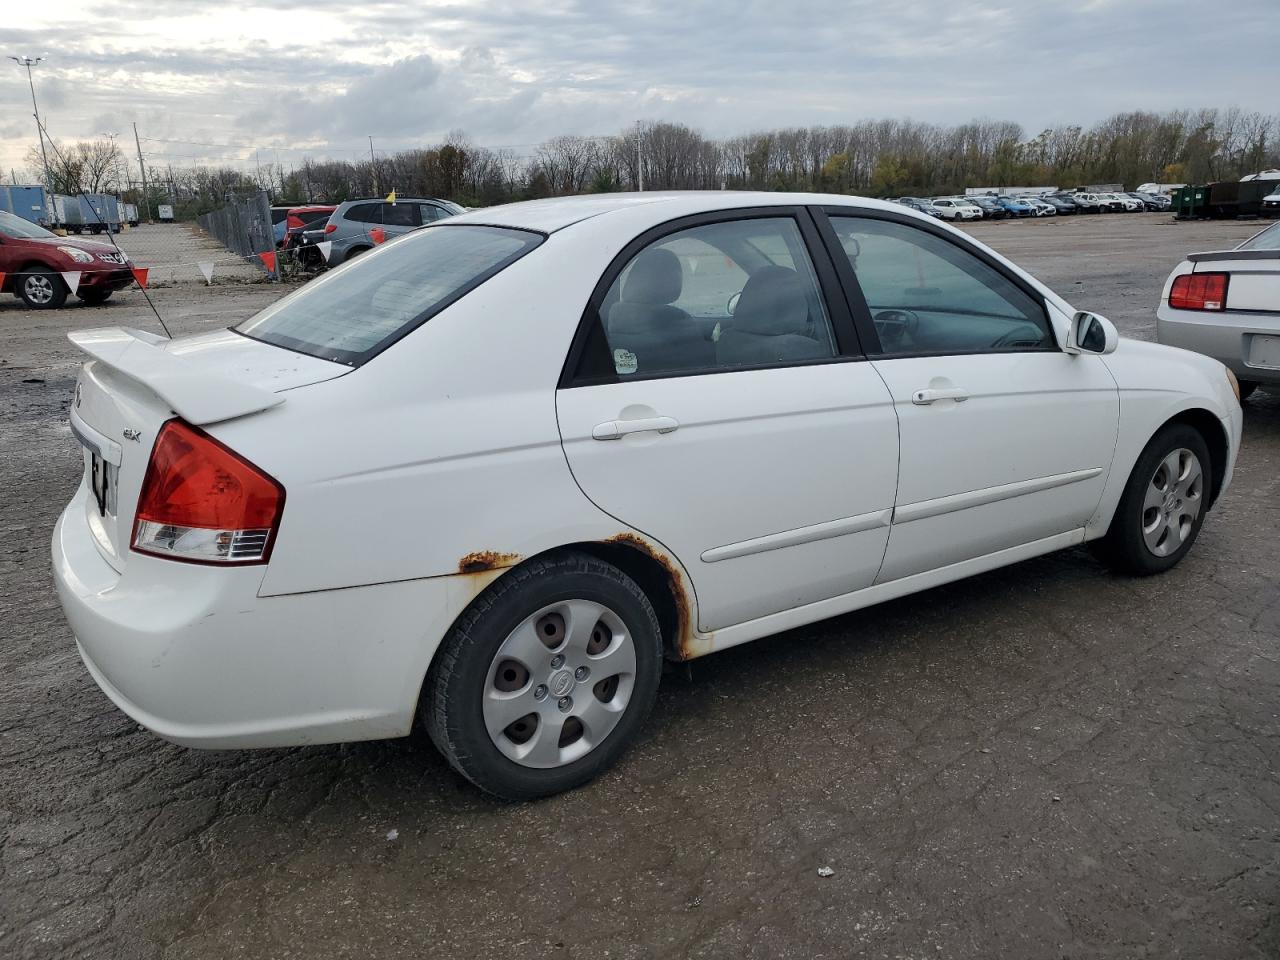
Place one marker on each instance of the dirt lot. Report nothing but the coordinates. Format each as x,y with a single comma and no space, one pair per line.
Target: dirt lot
1045,761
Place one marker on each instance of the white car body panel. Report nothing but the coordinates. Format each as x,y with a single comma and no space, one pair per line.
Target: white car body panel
424,475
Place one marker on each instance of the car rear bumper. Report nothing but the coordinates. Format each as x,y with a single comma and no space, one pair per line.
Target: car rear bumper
1227,337
195,655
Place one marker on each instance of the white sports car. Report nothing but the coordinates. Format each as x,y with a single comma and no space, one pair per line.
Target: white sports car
486,477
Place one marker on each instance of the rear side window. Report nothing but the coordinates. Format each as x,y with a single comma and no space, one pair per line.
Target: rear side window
400,215
354,313
366,213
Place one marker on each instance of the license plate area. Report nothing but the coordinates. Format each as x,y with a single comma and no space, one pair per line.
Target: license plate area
104,480
1264,352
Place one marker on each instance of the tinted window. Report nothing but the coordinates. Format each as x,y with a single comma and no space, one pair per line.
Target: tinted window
352,313
928,295
400,214
431,212
715,297
365,213
314,217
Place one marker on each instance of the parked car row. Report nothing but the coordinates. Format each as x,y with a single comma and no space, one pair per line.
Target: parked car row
998,206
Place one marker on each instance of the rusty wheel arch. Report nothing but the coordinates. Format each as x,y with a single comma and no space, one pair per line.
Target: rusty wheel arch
657,575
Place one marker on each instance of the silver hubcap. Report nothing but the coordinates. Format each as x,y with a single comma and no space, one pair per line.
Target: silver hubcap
39,289
1173,501
559,684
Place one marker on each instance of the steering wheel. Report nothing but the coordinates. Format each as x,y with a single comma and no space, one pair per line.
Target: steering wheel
896,328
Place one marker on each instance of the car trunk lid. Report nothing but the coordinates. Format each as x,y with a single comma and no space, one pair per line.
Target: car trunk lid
135,382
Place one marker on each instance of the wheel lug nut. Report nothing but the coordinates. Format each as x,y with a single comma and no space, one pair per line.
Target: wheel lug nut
540,692
580,673
557,661
565,704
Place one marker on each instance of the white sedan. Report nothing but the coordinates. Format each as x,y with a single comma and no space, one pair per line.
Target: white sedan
1226,304
487,477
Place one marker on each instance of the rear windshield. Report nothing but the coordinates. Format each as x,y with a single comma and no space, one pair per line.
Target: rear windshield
1268,239
355,312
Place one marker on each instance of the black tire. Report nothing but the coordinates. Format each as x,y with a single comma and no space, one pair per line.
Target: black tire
353,253
1124,548
41,288
1246,389
451,707
95,297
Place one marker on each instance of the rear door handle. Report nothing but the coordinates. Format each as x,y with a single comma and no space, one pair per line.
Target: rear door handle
929,395
616,429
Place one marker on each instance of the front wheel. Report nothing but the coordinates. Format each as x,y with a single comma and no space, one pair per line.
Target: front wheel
41,288
1163,505
545,681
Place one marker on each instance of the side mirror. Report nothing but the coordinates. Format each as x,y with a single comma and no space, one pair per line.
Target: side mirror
1091,333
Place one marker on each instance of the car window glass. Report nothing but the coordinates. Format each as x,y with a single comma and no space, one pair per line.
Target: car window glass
721,296
430,212
349,315
364,213
928,295
1268,239
400,214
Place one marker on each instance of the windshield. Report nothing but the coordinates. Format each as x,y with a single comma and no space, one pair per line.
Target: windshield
1268,239
20,229
357,311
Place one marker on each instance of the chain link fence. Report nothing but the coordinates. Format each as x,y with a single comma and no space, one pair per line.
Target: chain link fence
243,226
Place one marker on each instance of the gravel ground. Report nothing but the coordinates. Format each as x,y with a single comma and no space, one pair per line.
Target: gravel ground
1044,761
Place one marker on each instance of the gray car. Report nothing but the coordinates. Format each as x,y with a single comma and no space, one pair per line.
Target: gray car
351,227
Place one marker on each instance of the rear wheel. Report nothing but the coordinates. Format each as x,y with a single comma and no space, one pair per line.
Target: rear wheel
353,253
1163,505
41,288
94,297
545,681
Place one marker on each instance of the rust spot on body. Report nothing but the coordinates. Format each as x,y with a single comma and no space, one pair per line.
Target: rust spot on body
483,560
686,642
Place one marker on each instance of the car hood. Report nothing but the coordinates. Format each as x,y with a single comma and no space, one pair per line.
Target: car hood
88,246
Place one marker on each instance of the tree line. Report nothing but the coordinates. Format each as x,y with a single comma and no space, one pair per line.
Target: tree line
872,157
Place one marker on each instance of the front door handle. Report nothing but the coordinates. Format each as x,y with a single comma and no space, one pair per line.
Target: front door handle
616,429
930,394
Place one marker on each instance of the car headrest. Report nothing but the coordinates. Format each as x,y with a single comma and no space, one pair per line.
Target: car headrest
772,302
654,278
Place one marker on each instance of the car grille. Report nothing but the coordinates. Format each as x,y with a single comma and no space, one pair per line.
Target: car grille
119,258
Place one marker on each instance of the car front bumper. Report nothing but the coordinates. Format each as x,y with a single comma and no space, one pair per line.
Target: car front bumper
1226,336
106,279
195,655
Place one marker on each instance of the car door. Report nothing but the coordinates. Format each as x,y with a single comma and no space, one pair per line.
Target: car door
716,401
1005,438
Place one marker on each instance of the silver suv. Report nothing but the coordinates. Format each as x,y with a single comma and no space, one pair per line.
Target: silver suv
351,226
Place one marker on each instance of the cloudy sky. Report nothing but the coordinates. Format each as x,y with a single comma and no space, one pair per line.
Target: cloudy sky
213,81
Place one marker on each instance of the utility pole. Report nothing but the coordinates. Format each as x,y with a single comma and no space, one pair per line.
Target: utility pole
29,62
373,168
146,200
639,161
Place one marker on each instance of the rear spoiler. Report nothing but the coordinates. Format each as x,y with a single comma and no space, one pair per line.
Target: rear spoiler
1234,255
196,396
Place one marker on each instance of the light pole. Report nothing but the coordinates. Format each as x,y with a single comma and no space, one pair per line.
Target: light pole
30,62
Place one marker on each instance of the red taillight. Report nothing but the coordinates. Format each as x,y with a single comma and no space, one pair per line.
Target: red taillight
203,503
330,227
1199,291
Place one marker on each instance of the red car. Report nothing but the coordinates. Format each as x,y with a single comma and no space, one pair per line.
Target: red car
305,218
33,260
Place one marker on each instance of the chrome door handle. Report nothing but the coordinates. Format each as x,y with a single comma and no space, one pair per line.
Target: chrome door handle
616,429
928,396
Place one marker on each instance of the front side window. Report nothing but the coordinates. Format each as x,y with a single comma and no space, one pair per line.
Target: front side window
430,213
351,314
927,295
721,296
